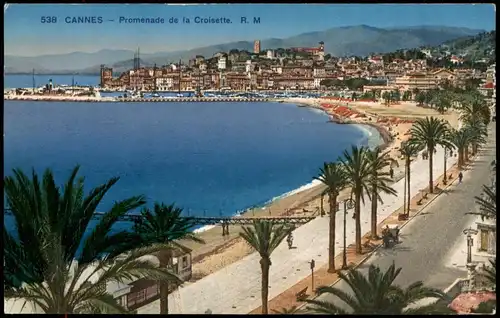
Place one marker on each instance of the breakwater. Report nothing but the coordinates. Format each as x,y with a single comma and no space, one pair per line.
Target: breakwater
52,98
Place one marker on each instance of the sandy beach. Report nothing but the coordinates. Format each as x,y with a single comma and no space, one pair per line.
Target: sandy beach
220,251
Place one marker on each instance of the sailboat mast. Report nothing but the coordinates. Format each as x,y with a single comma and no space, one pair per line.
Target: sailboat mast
154,78
33,79
180,76
138,57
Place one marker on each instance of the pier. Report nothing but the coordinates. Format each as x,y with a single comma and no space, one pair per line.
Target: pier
223,221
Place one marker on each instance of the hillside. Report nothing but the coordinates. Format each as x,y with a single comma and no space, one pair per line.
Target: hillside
118,67
352,40
479,46
65,62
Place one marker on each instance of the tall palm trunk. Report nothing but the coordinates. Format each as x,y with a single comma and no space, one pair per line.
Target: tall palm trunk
331,240
165,261
265,264
374,211
431,182
322,211
408,180
460,157
466,153
444,173
164,298
474,148
357,206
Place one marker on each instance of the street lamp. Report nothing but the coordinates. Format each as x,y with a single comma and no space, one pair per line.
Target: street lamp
470,241
471,268
348,204
313,264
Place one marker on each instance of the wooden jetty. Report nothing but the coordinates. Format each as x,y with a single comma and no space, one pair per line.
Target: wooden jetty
222,221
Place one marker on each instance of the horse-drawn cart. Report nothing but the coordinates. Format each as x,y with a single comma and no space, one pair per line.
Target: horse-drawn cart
390,235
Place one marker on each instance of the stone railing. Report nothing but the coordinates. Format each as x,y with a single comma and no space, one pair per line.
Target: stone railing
459,286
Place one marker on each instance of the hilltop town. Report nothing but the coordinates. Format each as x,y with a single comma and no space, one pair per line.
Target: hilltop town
311,68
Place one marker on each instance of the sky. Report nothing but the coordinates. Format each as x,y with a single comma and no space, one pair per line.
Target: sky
26,35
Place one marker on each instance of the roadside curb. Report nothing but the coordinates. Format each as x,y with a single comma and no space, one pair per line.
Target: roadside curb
363,260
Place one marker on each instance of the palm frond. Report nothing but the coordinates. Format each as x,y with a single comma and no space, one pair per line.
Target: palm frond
333,176
486,203
490,272
432,309
264,236
374,293
357,168
430,132
66,211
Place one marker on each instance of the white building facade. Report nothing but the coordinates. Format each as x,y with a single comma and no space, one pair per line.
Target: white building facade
222,63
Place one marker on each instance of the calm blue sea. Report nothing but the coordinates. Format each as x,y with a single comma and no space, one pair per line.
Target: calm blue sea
210,158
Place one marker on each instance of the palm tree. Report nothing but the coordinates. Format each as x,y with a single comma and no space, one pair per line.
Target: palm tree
357,167
460,139
378,182
70,287
333,176
50,231
430,132
447,149
165,224
32,202
388,98
478,132
420,98
442,101
376,295
408,150
264,237
487,203
474,106
490,272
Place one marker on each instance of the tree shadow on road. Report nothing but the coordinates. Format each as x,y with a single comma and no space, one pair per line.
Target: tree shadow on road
391,251
451,190
424,213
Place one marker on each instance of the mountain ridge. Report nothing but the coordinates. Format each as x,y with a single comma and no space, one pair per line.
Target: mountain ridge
358,40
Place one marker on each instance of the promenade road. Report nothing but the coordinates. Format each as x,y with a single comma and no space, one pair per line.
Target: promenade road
430,240
235,289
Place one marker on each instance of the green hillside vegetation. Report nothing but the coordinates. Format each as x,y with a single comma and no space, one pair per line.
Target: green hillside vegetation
480,46
477,52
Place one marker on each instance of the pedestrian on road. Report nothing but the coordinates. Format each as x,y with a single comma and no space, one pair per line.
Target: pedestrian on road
391,172
460,176
289,240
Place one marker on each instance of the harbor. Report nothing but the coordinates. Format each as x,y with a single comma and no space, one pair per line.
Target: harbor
56,98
